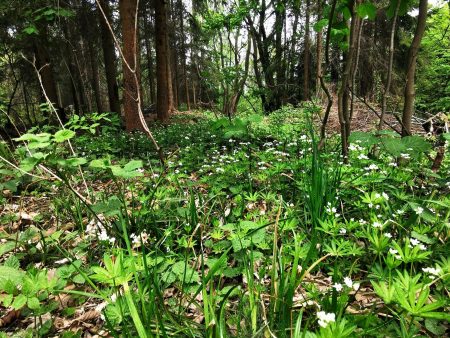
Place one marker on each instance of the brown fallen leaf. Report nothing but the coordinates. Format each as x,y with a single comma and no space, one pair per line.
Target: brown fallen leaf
93,314
9,318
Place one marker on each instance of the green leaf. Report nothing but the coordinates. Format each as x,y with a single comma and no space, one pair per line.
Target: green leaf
42,137
19,302
435,327
133,165
7,247
30,30
63,135
7,273
100,163
180,269
7,300
363,139
78,279
29,163
33,303
346,13
319,25
394,146
415,144
72,162
367,9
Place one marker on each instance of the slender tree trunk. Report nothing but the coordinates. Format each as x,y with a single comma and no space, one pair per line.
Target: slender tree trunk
343,93
389,70
306,91
44,66
184,53
355,67
319,39
128,17
89,23
410,93
149,57
162,97
109,56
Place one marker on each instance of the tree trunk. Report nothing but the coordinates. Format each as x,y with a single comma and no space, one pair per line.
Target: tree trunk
44,66
162,97
130,64
408,108
343,93
89,24
149,56
319,39
389,71
109,56
306,91
184,53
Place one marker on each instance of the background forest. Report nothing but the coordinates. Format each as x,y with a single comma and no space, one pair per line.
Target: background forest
244,168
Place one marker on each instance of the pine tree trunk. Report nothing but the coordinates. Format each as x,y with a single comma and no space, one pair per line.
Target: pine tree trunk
162,96
109,56
130,65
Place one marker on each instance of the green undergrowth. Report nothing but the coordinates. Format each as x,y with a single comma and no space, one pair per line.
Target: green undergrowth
247,230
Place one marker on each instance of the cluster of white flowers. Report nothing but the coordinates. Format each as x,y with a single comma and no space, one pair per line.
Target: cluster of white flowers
406,156
394,253
371,167
325,318
419,210
331,210
432,271
348,282
415,242
138,240
355,147
95,228
377,224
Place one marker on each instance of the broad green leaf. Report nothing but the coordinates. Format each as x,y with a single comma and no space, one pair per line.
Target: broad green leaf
28,163
363,139
41,138
319,25
19,302
7,247
415,144
64,135
367,9
72,162
33,303
99,163
30,30
133,165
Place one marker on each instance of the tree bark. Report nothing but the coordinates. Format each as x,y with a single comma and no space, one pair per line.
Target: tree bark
89,24
109,56
162,96
128,17
410,93
306,64
319,39
44,66
343,93
389,71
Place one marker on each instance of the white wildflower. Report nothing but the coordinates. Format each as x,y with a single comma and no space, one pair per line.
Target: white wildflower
325,318
338,287
348,281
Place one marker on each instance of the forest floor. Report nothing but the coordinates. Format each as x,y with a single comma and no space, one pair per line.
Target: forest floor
245,232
